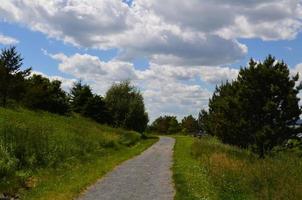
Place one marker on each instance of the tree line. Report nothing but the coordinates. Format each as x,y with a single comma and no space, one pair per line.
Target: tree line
122,106
257,111
170,125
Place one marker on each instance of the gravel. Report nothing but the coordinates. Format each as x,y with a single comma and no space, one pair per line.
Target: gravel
145,177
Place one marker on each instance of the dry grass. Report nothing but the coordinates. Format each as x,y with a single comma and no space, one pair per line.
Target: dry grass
238,174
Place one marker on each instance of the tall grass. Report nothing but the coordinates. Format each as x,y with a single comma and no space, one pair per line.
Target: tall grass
238,174
30,140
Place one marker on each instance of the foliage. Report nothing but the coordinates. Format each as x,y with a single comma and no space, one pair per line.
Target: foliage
189,125
256,110
90,105
79,96
126,105
95,108
166,125
43,94
11,76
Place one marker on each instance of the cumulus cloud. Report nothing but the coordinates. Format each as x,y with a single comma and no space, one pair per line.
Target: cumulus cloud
184,33
88,67
265,19
134,30
186,42
167,89
7,40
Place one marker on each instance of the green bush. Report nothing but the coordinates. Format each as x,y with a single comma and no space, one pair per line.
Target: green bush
130,138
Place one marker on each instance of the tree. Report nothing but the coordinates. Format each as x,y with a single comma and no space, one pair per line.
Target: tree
189,125
201,121
43,94
165,125
95,108
126,106
257,109
79,96
174,126
160,125
11,76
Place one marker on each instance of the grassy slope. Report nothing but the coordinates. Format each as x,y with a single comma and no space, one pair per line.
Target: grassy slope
56,157
207,169
67,184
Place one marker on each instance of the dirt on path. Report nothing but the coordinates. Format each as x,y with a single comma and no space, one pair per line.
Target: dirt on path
145,177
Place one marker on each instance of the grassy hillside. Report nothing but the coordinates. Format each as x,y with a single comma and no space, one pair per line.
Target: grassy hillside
207,169
47,154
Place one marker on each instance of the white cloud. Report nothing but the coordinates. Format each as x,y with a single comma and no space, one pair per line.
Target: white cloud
185,42
134,30
265,19
166,89
191,33
6,40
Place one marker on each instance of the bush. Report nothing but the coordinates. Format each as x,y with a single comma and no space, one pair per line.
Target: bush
130,138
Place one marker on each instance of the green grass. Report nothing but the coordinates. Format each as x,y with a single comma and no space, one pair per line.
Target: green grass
207,169
190,177
56,157
66,184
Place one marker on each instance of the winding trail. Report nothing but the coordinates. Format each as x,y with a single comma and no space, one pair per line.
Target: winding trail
145,177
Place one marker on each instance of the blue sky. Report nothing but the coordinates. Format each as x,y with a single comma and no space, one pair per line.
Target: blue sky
175,59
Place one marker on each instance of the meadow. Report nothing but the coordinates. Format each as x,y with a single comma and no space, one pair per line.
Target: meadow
208,169
43,155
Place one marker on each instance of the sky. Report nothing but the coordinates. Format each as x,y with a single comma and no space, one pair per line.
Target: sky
175,52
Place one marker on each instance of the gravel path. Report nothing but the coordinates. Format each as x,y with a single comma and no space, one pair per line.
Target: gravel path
145,177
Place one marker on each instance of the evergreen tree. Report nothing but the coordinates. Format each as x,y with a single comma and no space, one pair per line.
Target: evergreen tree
95,108
79,96
12,78
258,109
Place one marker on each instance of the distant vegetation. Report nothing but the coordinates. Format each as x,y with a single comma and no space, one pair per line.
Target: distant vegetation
169,125
208,169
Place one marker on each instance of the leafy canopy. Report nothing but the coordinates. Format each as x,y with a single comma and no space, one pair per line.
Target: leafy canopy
258,109
127,108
